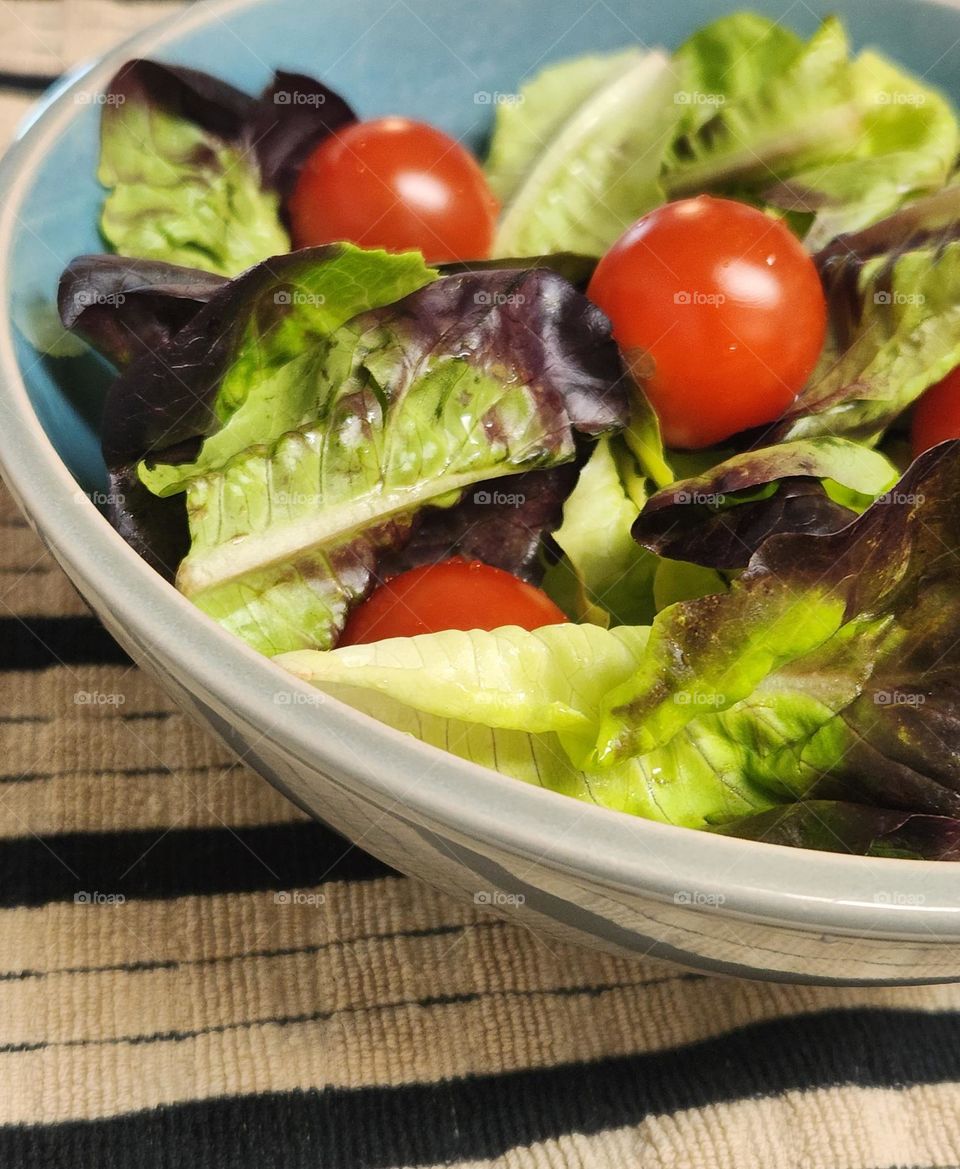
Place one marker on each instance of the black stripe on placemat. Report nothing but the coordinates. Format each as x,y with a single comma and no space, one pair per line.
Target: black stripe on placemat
178,862
29,82
484,1116
35,643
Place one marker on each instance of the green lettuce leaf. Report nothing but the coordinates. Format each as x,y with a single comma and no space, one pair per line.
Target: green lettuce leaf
745,108
520,702
577,159
604,576
195,170
801,127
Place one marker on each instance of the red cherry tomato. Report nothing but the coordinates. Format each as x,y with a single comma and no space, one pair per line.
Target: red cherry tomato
719,310
395,184
937,414
455,594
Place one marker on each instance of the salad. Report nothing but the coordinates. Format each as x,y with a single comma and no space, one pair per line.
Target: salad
623,460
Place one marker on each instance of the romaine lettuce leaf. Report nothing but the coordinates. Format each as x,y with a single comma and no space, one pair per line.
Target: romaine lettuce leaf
322,467
577,159
195,169
745,108
720,518
517,701
801,127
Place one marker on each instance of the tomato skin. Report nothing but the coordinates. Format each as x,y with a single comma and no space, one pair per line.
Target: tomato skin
720,312
936,417
455,594
396,184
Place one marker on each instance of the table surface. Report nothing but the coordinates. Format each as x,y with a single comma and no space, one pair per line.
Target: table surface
194,974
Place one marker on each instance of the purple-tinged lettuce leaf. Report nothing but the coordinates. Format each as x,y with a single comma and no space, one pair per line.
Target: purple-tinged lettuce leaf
315,434
126,307
829,671
893,292
470,379
720,518
196,170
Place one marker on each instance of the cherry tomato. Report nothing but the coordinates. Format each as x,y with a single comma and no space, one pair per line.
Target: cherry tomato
720,312
455,594
937,414
395,184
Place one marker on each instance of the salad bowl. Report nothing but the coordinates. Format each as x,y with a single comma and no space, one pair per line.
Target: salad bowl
568,869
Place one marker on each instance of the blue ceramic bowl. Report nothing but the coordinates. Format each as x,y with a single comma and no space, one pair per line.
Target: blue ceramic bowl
581,872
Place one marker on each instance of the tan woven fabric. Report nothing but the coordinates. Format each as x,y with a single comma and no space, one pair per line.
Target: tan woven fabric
362,1019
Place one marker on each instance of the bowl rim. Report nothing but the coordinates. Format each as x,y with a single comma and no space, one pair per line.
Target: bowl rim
806,890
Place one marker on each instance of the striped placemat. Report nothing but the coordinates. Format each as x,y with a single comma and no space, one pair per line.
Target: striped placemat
192,974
